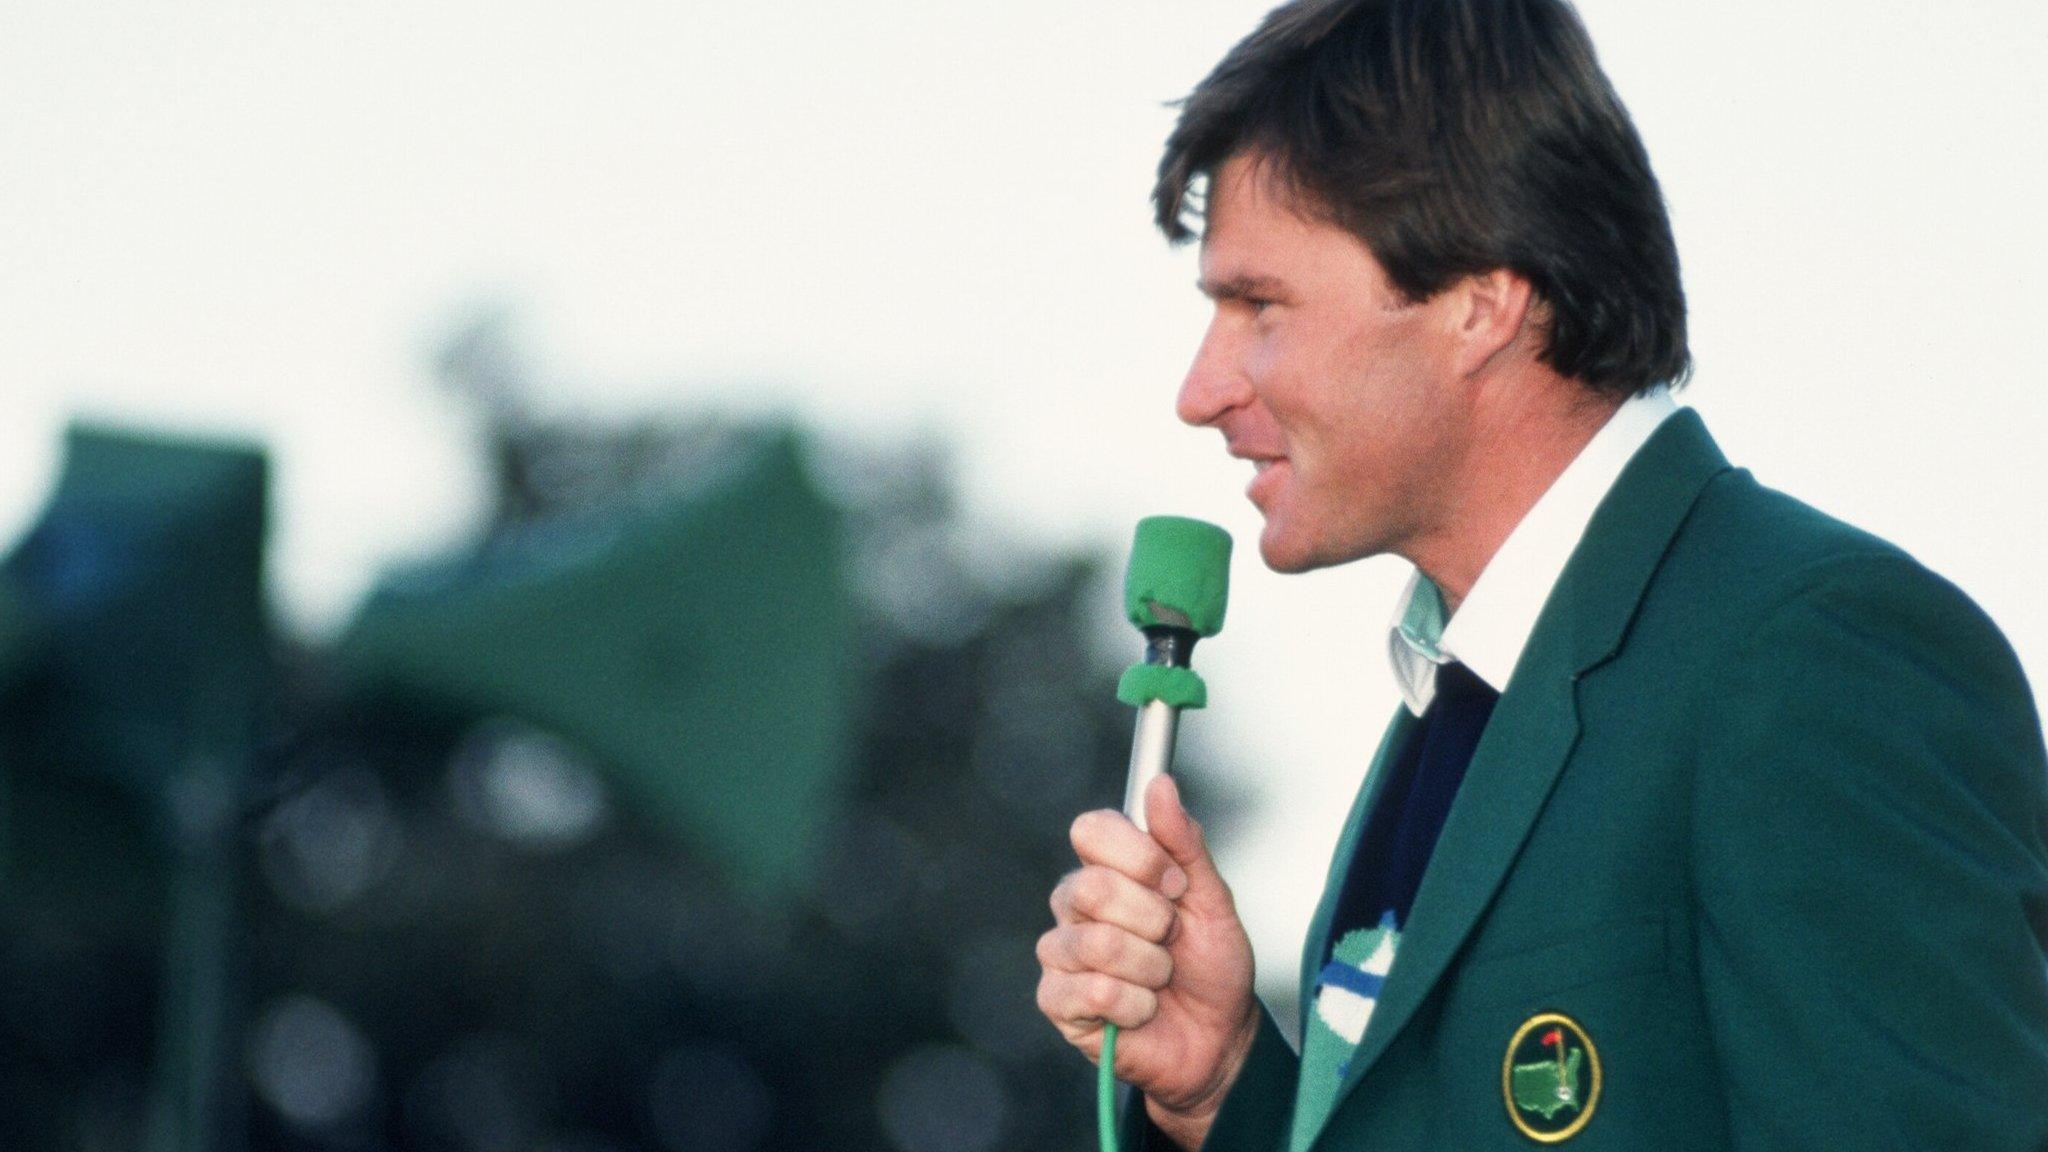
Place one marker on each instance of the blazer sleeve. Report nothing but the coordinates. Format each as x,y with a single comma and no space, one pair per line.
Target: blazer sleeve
1256,1114
1869,873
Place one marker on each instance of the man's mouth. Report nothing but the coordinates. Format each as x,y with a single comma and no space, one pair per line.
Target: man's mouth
1263,478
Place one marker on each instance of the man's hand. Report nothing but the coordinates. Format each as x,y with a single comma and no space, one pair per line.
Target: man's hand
1146,937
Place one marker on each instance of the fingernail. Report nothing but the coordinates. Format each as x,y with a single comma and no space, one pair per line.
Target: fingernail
1175,883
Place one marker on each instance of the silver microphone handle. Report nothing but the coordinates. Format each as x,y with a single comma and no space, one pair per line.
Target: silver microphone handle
1151,755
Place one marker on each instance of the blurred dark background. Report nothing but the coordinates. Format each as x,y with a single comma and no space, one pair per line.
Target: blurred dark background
710,801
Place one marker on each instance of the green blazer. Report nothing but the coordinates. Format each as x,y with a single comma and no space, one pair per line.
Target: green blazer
1761,817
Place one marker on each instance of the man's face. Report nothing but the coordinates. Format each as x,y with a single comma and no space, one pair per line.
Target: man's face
1342,393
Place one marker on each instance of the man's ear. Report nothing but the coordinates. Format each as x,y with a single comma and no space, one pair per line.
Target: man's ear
1495,309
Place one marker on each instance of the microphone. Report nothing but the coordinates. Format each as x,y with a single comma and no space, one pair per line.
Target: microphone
1175,589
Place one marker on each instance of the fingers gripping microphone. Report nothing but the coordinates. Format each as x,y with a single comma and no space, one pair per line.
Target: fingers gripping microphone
1175,590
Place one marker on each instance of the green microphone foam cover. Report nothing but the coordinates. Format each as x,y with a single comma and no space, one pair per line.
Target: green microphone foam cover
1179,574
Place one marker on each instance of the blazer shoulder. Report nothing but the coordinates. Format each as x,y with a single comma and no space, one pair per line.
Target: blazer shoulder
1790,585
1772,537
1750,562
1759,549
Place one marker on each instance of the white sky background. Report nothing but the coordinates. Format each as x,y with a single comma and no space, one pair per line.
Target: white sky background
929,217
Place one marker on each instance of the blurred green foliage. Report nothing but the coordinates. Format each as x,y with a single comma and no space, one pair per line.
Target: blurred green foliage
698,647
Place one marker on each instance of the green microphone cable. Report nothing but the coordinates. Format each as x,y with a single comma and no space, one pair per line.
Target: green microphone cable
1105,1091
1175,590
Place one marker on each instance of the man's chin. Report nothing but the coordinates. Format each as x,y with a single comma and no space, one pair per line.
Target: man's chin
1293,557
1282,556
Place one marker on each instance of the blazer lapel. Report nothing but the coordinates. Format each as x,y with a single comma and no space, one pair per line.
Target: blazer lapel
1518,759
1535,725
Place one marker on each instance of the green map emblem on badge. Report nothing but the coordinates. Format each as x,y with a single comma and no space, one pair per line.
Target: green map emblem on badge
1550,1078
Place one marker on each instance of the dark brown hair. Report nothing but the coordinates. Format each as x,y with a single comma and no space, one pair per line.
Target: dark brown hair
1455,137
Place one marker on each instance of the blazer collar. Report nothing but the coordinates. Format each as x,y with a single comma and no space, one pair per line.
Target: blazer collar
1535,725
1603,583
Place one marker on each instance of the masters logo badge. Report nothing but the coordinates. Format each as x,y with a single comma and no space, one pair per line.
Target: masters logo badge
1551,1078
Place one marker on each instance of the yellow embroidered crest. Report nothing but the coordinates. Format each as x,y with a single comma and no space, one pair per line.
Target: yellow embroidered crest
1550,1078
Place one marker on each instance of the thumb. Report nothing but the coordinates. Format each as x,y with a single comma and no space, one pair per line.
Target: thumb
1177,832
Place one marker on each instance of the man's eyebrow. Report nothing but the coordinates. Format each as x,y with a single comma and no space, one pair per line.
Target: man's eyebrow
1238,287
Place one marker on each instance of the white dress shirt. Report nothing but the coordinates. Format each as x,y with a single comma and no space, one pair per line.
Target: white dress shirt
1492,626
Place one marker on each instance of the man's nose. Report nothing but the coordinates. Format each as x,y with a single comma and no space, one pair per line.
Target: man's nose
1215,382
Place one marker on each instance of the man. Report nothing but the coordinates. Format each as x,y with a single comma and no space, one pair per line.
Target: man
1707,822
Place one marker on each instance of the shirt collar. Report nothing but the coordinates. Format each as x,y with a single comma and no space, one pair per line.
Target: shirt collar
1493,624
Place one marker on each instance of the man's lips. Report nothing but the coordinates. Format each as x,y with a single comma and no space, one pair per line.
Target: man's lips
1267,473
